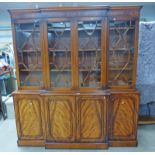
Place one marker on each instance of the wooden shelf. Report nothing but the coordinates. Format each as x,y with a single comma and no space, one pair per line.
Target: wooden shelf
85,50
121,49
129,82
57,50
89,29
119,69
80,50
31,51
80,70
87,70
121,28
56,70
121,64
58,29
69,29
51,63
29,30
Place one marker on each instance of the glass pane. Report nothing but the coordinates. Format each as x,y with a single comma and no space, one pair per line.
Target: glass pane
29,54
59,53
89,33
121,52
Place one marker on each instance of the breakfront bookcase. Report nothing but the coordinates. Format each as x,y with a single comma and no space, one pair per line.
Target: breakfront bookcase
76,74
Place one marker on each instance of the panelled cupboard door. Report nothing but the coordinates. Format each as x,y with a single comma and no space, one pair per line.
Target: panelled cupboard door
91,119
60,118
123,117
29,116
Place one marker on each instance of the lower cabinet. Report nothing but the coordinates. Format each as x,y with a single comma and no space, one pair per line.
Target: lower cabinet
77,121
123,116
29,112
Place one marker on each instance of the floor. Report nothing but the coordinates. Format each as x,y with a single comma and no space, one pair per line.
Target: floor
8,137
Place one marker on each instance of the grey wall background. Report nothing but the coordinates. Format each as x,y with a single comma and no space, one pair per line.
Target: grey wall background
147,12
146,68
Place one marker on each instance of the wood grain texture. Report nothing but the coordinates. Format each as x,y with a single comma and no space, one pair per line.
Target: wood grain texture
123,119
29,117
90,119
75,11
123,143
31,142
76,145
104,45
29,111
61,118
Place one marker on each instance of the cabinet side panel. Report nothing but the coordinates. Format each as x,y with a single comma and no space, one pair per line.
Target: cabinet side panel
15,100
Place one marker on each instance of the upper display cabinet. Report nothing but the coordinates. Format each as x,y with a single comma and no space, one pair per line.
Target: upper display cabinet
76,48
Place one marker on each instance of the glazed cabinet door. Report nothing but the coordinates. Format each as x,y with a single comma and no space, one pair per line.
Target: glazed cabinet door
59,54
28,54
29,116
60,118
123,116
91,119
89,53
122,52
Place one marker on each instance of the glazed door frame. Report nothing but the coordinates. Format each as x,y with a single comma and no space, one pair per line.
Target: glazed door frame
27,21
103,74
72,53
135,56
